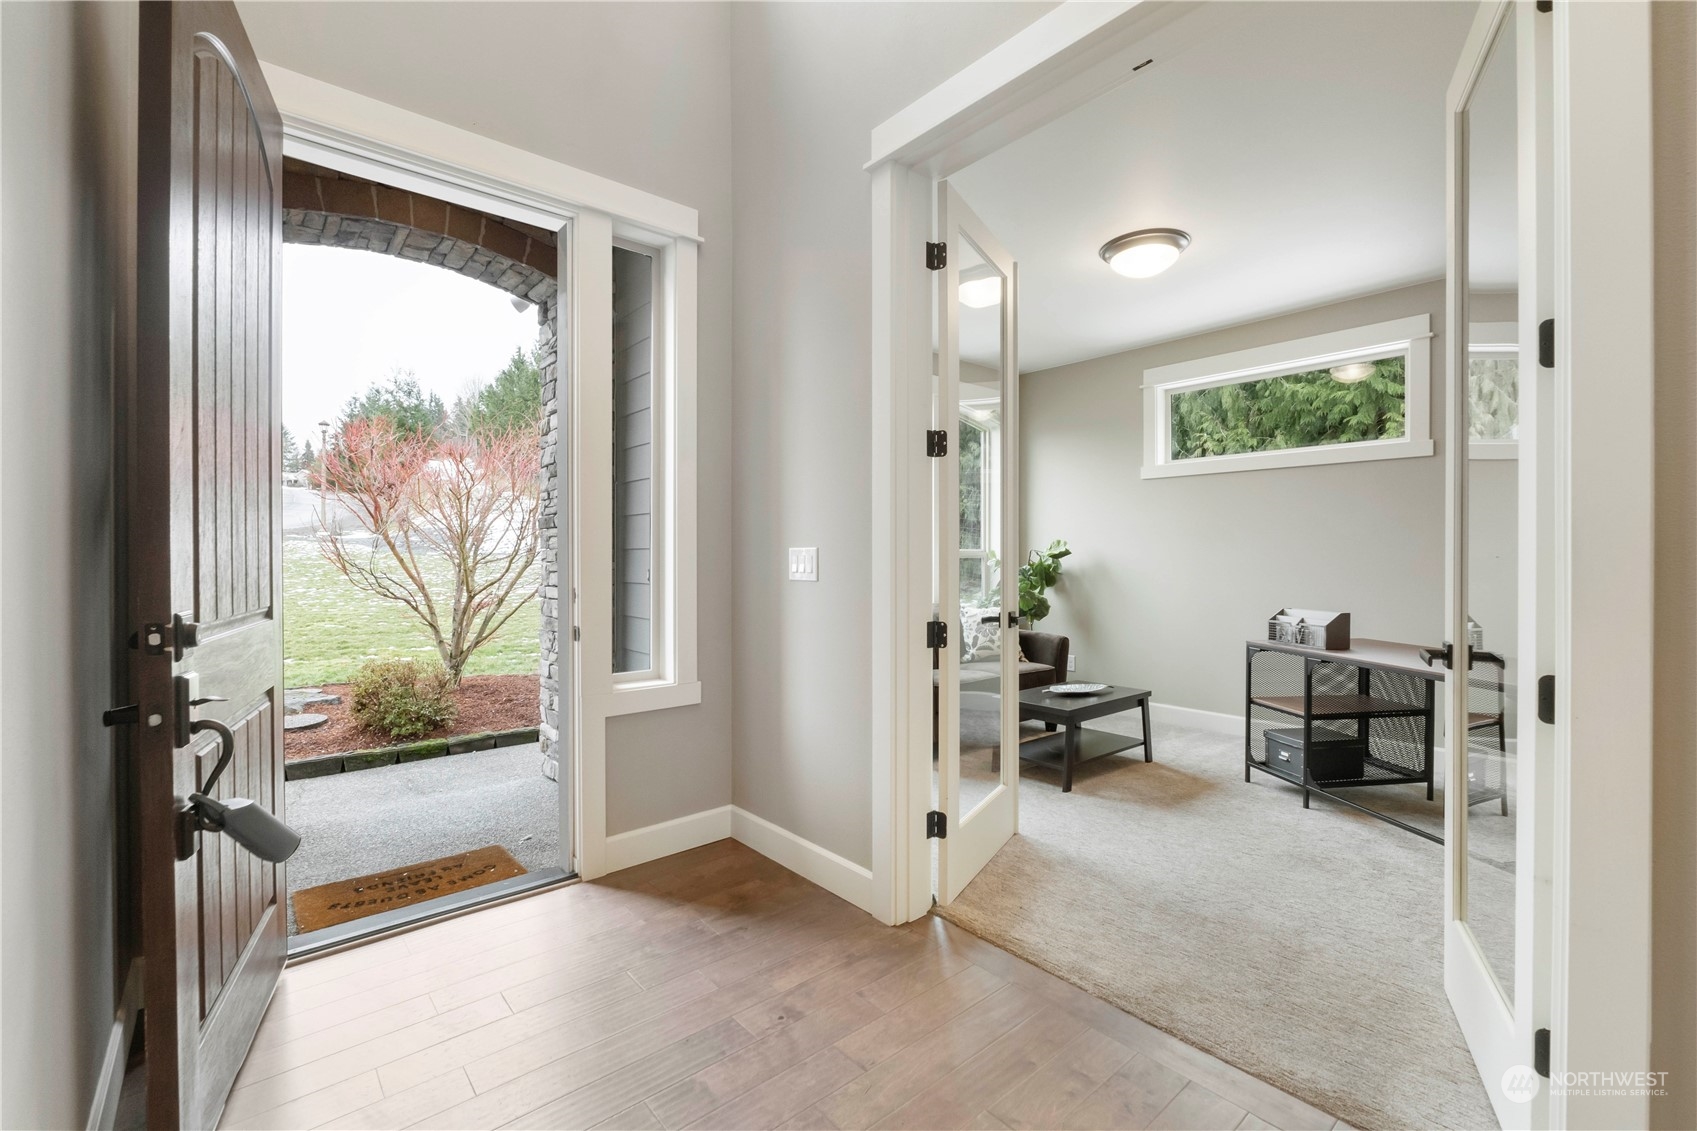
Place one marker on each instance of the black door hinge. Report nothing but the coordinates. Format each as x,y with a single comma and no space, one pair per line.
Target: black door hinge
1547,343
1547,699
936,634
936,255
936,442
936,826
1541,1053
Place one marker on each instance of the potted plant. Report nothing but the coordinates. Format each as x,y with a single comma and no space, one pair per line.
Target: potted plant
1039,574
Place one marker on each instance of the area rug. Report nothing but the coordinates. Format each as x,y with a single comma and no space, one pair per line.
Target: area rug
1303,946
344,900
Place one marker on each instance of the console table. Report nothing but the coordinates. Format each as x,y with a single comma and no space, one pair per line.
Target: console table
1331,720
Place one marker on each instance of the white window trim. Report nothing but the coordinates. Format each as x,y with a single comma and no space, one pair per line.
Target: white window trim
1411,337
1492,337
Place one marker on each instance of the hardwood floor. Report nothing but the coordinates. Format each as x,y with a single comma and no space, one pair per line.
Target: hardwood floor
714,989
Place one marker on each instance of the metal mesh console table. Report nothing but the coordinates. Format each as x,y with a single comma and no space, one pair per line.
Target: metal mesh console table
1330,720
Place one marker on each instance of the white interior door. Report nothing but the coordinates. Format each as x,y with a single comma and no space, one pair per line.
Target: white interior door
1498,796
977,524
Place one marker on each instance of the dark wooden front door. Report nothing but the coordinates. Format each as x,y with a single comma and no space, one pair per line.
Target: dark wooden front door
204,504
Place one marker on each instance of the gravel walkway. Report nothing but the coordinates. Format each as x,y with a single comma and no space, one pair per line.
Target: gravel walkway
371,820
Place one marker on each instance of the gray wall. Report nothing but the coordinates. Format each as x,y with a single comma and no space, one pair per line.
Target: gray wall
656,82
811,82
69,208
1673,1047
1169,576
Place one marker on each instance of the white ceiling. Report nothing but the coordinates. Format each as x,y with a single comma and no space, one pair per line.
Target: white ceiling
1300,144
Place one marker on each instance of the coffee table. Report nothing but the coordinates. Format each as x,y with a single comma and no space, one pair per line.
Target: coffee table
1078,743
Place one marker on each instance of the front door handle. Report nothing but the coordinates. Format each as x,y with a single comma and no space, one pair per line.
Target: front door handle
1433,655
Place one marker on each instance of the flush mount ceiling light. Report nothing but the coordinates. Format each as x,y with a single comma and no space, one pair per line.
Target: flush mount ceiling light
1354,372
1143,253
979,293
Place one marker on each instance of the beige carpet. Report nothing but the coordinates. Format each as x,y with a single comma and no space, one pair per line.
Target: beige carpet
1304,947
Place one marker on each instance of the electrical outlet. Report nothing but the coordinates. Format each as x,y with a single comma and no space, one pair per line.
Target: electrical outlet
1072,662
804,563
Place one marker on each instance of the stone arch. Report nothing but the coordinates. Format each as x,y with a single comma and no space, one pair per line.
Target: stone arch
331,209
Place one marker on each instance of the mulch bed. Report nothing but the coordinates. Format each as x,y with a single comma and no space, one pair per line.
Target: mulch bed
486,702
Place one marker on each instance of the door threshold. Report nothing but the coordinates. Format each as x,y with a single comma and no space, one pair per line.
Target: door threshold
316,944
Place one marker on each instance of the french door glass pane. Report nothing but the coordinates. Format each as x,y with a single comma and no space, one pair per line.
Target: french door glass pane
1492,490
977,416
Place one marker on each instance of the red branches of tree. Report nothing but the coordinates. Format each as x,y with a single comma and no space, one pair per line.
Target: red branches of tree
472,502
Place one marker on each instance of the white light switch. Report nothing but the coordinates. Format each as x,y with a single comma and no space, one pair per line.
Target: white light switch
804,563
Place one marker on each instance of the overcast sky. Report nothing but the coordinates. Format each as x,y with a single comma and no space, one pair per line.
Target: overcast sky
349,317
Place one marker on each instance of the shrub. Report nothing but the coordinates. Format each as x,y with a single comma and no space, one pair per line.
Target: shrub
402,698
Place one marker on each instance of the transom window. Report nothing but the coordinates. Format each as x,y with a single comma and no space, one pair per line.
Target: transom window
1352,395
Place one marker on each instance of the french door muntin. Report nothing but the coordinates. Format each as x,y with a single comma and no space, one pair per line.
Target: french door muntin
1499,561
977,674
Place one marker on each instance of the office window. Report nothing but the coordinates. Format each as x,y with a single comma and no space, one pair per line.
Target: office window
978,447
1351,395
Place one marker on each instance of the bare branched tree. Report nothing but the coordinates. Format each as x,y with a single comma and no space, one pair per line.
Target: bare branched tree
473,502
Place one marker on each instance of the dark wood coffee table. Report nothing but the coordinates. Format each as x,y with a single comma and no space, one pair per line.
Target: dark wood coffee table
1078,743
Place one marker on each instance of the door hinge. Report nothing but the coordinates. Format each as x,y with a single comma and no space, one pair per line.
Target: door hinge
1547,699
577,633
1541,1053
1547,343
936,826
936,255
936,634
936,443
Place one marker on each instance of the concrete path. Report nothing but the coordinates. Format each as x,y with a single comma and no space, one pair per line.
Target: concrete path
368,821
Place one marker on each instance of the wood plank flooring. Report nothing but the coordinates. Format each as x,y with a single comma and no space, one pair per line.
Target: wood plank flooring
714,989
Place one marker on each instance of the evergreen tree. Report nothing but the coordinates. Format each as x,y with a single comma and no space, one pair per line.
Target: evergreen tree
291,451
1296,411
512,400
402,402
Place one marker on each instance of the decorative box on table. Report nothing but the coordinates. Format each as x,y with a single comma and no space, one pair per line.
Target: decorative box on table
1310,628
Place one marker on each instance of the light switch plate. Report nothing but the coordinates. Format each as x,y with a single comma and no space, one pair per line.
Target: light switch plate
804,563
1072,662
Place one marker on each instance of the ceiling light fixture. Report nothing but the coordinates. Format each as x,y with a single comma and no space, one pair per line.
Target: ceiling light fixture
1143,253
1354,372
979,293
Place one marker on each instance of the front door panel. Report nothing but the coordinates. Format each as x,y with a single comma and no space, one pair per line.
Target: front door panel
205,545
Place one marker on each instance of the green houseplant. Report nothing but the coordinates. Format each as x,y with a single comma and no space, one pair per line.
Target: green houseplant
1039,574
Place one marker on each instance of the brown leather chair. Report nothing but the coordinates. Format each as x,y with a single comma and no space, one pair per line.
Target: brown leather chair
1043,658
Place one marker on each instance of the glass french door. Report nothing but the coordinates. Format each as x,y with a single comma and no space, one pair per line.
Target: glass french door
1500,559
976,521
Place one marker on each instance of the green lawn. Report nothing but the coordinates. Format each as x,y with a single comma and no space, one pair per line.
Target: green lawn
330,627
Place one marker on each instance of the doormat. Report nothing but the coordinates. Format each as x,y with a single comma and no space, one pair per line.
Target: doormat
329,904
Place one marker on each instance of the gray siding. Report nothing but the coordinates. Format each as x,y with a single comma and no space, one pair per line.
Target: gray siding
633,460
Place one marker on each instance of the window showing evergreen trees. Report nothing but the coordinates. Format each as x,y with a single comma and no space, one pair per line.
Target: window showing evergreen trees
1294,410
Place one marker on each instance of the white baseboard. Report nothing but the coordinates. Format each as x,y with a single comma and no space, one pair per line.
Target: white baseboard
103,1109
639,846
842,878
1214,722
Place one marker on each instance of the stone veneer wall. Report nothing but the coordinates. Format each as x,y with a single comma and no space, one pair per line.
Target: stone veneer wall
330,209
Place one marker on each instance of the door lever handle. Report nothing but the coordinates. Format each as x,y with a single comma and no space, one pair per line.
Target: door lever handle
1431,656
